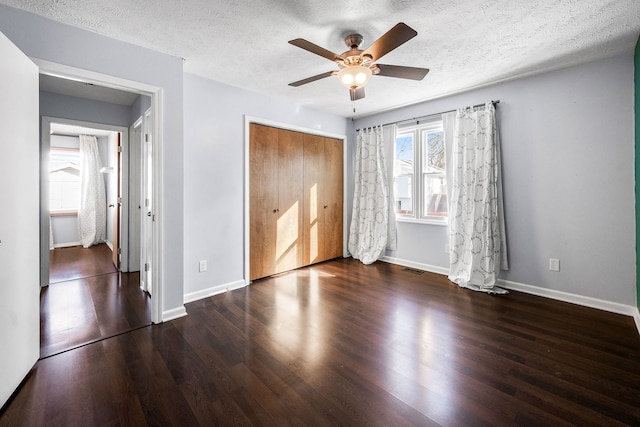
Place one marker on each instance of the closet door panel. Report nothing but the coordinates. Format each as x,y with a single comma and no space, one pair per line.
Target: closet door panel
332,198
313,165
289,229
263,196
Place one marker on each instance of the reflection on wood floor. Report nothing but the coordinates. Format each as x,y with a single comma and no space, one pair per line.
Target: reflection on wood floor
88,300
340,343
76,262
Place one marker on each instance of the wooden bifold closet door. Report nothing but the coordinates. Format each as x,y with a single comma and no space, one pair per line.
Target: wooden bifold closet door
323,198
295,210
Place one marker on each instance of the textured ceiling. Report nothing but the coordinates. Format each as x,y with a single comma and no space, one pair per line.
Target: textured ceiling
465,43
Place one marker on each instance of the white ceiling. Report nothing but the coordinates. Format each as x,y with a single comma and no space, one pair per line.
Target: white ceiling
465,43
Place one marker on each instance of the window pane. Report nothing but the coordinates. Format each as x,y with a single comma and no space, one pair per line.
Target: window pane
433,153
435,195
64,180
403,175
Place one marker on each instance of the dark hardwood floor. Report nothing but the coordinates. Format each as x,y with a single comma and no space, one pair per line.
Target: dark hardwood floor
341,343
88,300
76,262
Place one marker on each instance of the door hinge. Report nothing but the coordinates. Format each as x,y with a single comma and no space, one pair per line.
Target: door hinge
146,203
153,218
119,251
146,266
119,148
119,200
147,137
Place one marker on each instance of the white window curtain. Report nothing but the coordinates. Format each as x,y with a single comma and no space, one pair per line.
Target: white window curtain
476,216
373,222
92,218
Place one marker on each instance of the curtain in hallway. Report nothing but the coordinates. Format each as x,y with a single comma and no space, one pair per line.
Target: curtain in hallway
373,222
92,215
476,216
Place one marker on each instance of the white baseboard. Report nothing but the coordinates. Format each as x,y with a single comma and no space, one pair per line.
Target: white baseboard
609,306
214,290
612,307
636,317
174,313
66,245
418,265
109,244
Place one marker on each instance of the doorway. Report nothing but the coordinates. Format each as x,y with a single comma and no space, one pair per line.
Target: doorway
92,292
154,94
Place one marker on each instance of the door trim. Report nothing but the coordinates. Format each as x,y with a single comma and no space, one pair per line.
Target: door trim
247,121
156,94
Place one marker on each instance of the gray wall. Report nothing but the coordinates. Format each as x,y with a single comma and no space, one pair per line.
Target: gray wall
567,155
214,172
51,41
138,108
87,110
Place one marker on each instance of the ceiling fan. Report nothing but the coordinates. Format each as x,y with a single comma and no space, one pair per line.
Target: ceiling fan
357,66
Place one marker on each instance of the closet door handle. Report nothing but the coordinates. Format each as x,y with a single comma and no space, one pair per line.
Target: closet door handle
276,210
326,206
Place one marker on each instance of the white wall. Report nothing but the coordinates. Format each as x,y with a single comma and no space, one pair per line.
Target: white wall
214,173
567,154
62,44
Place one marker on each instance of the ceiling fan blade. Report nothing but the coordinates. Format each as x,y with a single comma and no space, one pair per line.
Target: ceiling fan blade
413,73
312,79
390,40
356,93
314,48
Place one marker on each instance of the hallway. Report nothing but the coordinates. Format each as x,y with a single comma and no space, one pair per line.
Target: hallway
88,300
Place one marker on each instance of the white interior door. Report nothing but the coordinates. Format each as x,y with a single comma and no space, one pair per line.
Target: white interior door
148,213
135,194
19,218
115,204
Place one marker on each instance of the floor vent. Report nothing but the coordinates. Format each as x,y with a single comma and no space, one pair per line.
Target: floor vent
413,271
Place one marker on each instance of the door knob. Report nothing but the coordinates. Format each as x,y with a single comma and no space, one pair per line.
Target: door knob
111,205
148,213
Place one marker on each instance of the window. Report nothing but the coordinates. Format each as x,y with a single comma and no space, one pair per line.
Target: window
64,179
419,173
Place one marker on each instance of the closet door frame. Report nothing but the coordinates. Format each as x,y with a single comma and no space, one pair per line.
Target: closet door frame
247,203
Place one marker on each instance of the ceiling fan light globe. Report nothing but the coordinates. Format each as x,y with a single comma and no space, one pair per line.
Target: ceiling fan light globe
354,76
347,79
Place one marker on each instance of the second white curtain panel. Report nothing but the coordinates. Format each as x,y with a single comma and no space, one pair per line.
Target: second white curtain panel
92,216
476,218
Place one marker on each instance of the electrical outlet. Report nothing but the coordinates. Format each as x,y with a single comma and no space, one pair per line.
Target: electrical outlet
554,264
203,265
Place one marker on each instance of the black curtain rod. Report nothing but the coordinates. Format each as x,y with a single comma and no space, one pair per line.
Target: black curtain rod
432,115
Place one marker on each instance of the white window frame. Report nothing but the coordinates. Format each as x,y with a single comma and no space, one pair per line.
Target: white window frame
417,191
